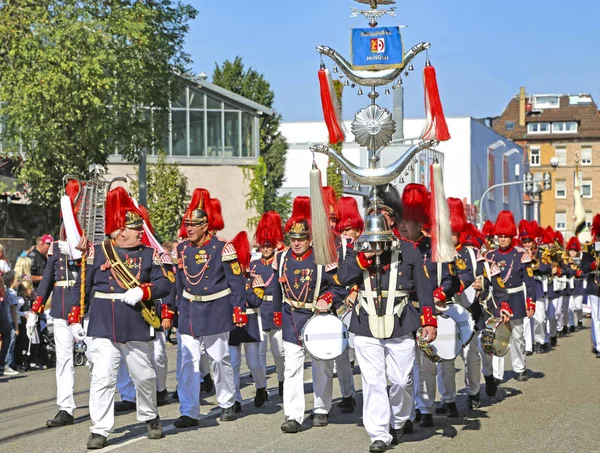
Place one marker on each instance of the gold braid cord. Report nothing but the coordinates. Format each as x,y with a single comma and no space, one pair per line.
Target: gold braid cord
82,288
128,280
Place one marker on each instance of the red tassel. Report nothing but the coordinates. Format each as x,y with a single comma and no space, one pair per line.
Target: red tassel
435,127
331,111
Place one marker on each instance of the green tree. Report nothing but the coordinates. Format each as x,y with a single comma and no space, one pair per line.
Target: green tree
74,75
273,147
334,176
167,197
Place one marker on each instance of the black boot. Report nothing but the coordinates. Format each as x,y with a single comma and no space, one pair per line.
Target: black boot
124,406
61,419
553,341
155,429
347,405
320,420
260,397
377,446
408,427
175,395
291,426
522,377
572,329
579,325
451,410
396,435
426,421
186,422
207,385
228,414
491,387
281,389
474,401
539,348
417,416
96,442
162,397
237,407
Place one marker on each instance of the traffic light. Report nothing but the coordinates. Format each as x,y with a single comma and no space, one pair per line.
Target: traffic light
528,183
547,181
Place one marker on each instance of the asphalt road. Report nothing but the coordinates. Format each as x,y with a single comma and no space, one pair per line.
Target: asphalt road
557,410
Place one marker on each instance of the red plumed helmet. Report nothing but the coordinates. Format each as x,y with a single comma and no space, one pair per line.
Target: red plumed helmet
415,203
505,224
548,236
596,226
268,230
121,211
574,244
298,224
535,230
242,249
200,201
330,201
525,230
488,228
471,236
458,218
215,221
558,237
348,215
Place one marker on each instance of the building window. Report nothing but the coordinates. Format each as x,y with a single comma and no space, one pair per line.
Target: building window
538,128
561,220
586,155
534,157
586,188
561,188
546,102
509,125
564,127
561,155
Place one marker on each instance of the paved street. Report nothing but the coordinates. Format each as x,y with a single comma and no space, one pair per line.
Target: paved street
557,410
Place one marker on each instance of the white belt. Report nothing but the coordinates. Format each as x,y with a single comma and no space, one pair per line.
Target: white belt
516,290
396,310
111,296
267,298
297,304
256,311
208,297
64,283
395,294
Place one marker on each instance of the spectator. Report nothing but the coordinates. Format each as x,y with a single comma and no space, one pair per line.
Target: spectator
5,333
4,266
23,268
10,310
39,257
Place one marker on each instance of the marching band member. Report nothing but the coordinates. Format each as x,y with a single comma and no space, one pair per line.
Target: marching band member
305,288
269,237
251,334
488,232
564,272
590,263
211,295
122,277
391,348
59,278
577,287
517,275
527,234
542,269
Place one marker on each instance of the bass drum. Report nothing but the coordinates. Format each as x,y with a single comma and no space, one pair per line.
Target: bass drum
324,337
464,320
447,344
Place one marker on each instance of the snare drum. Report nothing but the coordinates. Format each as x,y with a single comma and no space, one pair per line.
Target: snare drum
324,337
447,344
495,338
464,320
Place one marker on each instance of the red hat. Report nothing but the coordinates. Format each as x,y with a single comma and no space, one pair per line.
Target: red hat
47,239
216,219
596,226
471,236
535,230
574,244
505,224
348,215
415,203
298,225
198,212
268,230
488,228
121,211
525,230
558,237
330,201
242,249
458,218
547,235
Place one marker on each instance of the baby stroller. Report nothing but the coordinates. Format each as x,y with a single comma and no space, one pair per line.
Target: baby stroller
48,349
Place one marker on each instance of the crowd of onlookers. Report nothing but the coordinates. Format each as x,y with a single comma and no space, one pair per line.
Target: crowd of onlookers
18,351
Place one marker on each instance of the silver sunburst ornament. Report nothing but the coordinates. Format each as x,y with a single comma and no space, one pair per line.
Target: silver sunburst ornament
373,127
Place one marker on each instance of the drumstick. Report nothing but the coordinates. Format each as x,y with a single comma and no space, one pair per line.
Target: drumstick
29,348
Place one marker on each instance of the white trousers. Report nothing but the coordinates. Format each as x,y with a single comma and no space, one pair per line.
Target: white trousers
217,348
551,319
447,381
274,337
160,363
562,313
293,385
594,302
251,350
426,372
106,357
528,334
345,374
65,371
575,310
539,321
397,357
517,351
471,355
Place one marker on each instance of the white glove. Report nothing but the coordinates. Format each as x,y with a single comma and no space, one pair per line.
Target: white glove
133,296
63,246
77,331
32,320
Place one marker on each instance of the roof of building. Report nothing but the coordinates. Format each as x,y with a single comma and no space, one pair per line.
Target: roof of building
579,107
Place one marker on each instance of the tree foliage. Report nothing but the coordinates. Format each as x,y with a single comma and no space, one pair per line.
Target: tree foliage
167,197
273,147
334,176
74,75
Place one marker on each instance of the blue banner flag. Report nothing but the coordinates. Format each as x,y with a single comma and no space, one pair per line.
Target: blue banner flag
376,48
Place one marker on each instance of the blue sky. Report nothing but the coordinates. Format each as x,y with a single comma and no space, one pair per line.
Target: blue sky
483,50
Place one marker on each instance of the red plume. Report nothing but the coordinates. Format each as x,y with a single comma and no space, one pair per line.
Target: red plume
300,211
435,127
331,110
200,200
268,230
348,215
505,224
415,203
488,228
242,249
458,218
558,237
216,219
596,226
574,244
330,201
118,204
